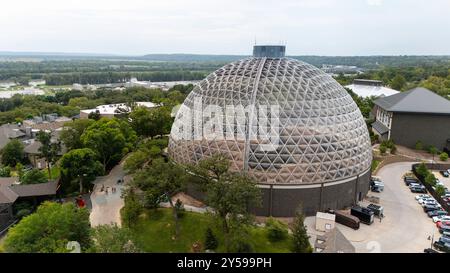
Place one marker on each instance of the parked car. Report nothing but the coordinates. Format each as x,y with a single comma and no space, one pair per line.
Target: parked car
435,213
408,180
428,208
430,250
444,229
444,173
418,189
423,200
442,224
422,196
414,185
441,218
430,202
442,246
444,239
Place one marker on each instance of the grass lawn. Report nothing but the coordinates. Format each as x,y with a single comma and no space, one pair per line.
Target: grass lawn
155,229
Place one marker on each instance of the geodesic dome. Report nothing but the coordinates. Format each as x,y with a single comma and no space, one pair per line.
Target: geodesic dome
313,132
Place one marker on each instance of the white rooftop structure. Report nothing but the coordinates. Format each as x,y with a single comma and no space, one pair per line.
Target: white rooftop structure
369,88
118,108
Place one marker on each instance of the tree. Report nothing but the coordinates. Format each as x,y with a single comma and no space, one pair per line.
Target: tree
398,82
443,156
276,230
81,164
132,209
151,122
300,238
50,150
49,229
211,242
135,161
440,190
229,194
163,178
13,153
95,115
33,176
71,134
141,121
430,179
113,239
110,139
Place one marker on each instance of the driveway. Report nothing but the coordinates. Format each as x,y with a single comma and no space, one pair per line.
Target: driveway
106,205
405,227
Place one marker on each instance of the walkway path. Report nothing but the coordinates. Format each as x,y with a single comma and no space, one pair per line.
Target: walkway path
106,205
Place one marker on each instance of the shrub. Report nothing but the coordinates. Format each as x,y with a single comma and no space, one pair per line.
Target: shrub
211,242
419,145
430,179
393,149
22,213
432,150
422,170
443,156
5,171
276,230
440,190
383,149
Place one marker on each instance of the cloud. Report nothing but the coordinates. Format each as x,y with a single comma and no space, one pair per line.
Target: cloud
374,2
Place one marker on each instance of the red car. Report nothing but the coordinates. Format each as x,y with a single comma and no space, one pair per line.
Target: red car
439,224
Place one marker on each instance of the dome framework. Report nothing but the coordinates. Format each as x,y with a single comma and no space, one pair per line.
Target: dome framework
317,133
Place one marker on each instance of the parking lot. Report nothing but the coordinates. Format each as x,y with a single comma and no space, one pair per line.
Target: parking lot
445,180
405,227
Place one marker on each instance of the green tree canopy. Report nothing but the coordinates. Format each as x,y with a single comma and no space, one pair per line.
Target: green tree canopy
113,239
110,139
50,150
71,135
82,165
33,176
49,230
12,153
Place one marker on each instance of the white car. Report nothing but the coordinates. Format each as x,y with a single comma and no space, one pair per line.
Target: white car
423,200
414,185
430,203
422,196
441,218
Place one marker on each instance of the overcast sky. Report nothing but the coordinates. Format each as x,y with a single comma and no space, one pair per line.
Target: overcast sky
309,27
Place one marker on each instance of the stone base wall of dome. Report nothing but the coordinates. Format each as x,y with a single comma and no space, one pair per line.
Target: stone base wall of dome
278,201
283,202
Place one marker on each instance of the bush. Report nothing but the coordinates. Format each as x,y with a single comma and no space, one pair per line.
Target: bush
419,145
276,230
33,176
211,242
430,179
432,150
422,170
443,156
5,171
239,246
383,149
393,149
440,190
22,213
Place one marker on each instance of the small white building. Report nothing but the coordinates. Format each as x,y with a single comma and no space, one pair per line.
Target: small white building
111,110
370,88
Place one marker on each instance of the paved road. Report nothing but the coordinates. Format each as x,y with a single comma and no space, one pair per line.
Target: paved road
405,228
106,206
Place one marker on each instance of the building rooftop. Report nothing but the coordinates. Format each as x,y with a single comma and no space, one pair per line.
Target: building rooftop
370,88
417,100
118,108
